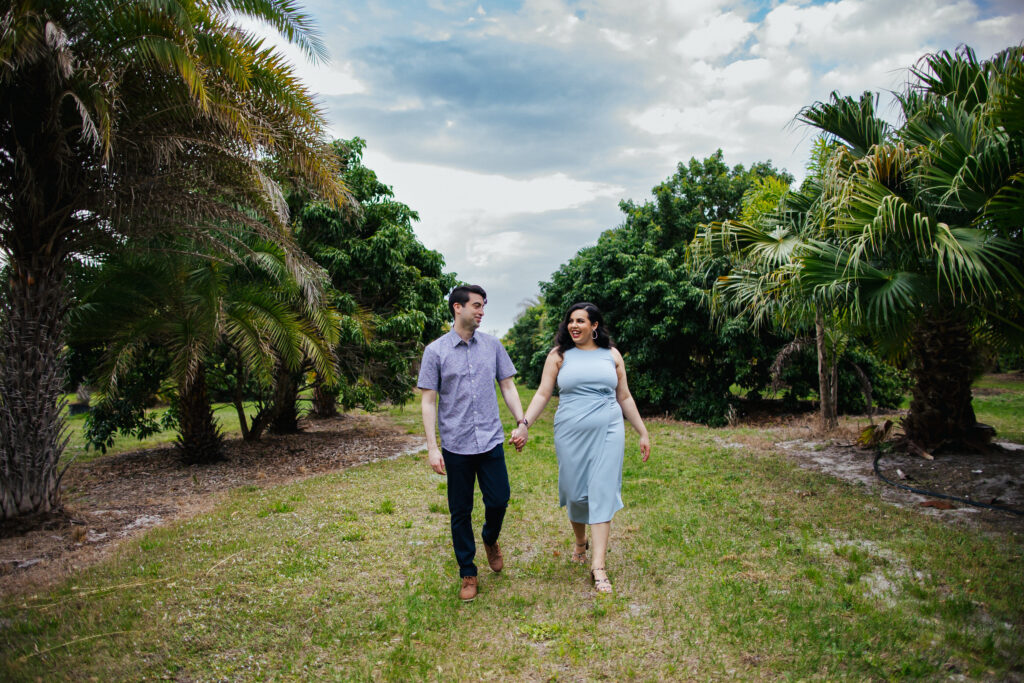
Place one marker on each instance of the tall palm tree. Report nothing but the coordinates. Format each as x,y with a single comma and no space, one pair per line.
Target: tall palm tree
119,118
926,251
187,304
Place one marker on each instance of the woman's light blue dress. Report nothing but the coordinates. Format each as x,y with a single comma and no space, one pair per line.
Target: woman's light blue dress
589,436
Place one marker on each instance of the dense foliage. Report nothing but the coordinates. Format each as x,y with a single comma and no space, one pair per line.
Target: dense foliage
678,361
389,289
861,374
189,304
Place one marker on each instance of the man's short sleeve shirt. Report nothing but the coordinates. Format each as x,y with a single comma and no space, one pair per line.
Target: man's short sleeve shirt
463,375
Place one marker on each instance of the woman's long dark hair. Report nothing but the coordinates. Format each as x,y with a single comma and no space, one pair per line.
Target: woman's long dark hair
563,340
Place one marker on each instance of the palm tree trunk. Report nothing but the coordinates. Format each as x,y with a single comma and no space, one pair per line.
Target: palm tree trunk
285,409
199,439
32,429
325,401
941,412
828,379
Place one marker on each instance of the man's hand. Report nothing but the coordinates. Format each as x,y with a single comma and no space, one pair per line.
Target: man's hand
435,459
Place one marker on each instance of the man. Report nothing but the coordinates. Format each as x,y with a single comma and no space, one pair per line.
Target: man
457,379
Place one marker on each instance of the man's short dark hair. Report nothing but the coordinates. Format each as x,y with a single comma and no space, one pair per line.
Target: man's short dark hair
460,295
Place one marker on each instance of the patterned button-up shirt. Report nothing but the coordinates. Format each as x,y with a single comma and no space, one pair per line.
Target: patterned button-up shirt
463,374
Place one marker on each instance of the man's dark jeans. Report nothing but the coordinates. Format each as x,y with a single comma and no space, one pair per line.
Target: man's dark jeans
463,471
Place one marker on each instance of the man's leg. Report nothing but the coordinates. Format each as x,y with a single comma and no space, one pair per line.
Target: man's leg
461,478
495,489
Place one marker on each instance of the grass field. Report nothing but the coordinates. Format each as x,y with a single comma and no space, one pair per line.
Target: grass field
1000,403
728,562
224,413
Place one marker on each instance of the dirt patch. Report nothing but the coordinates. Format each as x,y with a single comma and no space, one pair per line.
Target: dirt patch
994,478
114,498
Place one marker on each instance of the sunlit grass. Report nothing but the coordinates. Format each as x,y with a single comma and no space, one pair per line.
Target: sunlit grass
1004,409
224,413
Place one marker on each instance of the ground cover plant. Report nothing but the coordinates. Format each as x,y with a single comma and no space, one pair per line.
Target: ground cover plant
729,561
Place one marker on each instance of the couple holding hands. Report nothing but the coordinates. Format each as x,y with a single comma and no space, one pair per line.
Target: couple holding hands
457,378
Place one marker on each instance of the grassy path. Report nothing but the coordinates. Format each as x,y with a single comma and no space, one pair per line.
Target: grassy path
727,564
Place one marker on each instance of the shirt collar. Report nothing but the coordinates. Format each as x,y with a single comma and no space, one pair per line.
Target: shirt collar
455,339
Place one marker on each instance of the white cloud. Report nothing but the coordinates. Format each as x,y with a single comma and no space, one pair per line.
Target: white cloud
618,39
742,73
771,114
695,119
854,31
717,37
494,248
466,205
333,79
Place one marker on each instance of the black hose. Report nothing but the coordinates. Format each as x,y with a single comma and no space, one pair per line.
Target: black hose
933,494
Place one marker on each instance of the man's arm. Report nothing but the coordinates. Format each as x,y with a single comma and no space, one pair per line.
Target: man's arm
428,406
511,396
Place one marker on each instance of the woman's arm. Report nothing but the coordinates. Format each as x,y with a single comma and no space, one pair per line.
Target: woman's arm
543,395
629,409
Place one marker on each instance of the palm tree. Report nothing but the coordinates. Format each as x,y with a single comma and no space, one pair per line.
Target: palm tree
116,119
187,304
926,251
762,251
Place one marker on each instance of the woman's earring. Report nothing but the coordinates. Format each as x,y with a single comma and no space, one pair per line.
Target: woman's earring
595,334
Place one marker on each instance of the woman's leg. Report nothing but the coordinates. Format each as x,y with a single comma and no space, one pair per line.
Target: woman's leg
579,551
580,530
599,533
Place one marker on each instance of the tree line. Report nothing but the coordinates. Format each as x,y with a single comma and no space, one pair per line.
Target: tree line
897,263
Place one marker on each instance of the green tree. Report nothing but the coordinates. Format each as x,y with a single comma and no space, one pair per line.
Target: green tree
118,118
637,274
760,253
926,251
388,288
529,340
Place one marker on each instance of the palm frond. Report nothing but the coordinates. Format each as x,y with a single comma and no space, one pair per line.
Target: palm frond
853,122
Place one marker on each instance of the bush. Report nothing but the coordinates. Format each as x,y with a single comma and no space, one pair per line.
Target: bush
888,384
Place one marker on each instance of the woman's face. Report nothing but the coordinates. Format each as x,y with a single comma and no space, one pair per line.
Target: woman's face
580,328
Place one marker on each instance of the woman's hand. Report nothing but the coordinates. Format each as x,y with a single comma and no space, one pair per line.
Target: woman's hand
645,447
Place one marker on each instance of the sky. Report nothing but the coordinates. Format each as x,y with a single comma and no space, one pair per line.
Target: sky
514,128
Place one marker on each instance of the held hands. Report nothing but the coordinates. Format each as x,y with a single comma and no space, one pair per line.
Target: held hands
519,437
645,447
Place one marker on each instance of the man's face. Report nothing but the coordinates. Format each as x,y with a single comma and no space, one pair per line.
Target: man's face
469,314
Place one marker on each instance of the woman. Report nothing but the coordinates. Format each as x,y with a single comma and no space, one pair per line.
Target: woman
589,434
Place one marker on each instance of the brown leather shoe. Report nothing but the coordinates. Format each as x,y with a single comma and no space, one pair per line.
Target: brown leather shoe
468,590
494,557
